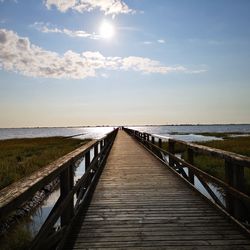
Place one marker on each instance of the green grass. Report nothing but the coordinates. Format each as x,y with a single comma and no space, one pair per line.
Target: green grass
223,135
215,166
17,239
21,157
239,145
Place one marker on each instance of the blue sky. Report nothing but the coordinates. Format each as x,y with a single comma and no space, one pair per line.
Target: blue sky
168,62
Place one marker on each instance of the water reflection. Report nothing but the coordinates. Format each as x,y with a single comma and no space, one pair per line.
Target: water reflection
38,217
86,132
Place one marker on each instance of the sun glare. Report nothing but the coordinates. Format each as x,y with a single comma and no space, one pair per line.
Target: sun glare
106,30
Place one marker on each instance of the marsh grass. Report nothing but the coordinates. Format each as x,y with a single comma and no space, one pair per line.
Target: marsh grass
18,239
238,145
215,166
21,157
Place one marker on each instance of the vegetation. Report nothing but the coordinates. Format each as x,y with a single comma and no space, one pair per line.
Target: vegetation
239,145
17,239
215,166
223,135
21,157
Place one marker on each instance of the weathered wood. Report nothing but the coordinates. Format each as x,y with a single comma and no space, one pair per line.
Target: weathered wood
178,164
234,176
87,160
95,150
153,139
15,194
171,146
160,142
66,185
190,160
139,203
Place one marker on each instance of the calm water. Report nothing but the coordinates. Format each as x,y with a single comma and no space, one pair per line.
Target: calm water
188,132
85,132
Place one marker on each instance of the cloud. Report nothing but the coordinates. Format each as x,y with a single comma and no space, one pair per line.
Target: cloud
161,41
147,42
109,7
46,28
147,65
153,42
17,54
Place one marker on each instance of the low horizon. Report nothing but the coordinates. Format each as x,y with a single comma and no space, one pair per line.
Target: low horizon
133,125
65,63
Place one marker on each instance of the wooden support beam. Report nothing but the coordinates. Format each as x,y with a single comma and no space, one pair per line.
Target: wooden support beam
87,160
234,176
95,150
66,185
160,142
171,145
153,140
190,160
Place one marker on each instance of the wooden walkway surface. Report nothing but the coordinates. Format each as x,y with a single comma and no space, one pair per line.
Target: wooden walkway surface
139,203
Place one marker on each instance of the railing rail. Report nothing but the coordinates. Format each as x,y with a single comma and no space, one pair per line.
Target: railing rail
237,201
73,196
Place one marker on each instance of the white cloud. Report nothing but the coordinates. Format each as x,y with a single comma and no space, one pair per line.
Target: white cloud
147,42
18,55
153,42
147,65
47,28
109,7
161,41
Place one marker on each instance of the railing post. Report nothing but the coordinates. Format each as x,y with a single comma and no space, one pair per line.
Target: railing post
101,144
153,140
171,145
95,150
87,160
234,176
160,143
66,184
190,159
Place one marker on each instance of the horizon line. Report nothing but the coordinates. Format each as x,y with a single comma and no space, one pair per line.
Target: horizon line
133,125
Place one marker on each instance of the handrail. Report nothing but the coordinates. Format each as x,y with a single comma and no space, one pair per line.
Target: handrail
237,201
72,196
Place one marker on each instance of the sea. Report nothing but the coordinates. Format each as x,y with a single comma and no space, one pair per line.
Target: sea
181,132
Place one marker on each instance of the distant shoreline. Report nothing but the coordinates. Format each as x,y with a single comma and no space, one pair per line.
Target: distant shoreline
149,125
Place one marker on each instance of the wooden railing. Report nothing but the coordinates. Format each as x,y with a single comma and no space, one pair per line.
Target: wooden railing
237,201
73,196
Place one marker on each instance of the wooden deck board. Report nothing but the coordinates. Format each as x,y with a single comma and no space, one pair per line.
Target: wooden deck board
139,203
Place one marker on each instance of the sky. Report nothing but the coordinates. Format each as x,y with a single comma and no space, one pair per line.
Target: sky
124,62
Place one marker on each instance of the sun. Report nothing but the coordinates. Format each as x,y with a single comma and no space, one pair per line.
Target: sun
106,30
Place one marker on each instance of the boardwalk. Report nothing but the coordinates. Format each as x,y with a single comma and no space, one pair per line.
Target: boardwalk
139,203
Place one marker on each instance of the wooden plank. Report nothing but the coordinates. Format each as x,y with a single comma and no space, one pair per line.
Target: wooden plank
138,202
